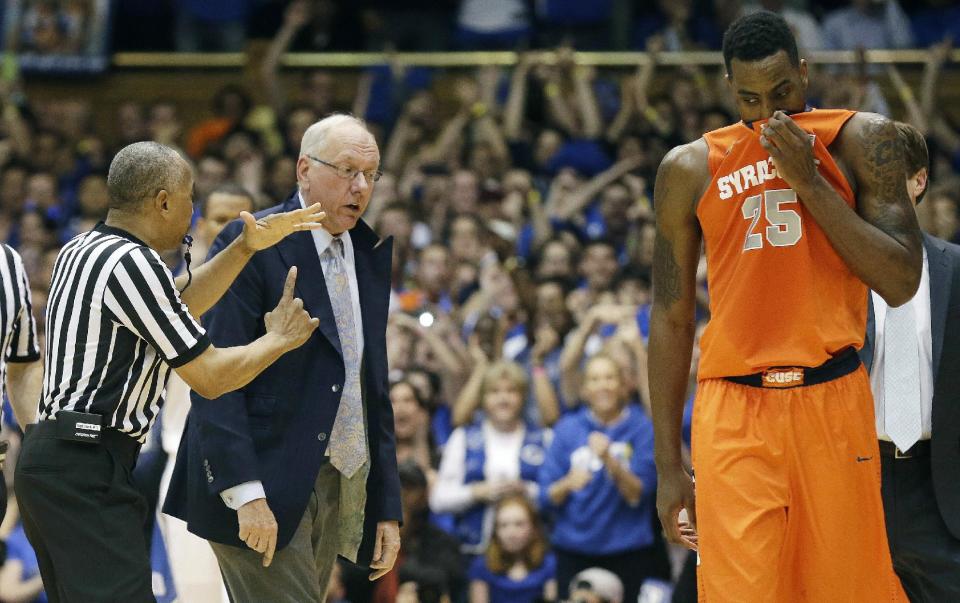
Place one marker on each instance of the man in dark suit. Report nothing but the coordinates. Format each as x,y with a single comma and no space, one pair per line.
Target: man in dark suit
913,353
302,460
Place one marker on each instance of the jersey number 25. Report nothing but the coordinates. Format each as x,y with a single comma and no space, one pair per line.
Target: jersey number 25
785,227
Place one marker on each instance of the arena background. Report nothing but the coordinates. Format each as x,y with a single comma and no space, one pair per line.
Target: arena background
519,141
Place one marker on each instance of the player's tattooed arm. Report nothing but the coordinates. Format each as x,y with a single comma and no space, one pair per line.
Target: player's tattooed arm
871,148
681,178
680,182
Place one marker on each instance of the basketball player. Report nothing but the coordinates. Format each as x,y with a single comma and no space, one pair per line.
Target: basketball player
800,211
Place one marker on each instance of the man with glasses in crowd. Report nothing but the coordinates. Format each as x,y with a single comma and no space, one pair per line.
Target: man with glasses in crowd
300,466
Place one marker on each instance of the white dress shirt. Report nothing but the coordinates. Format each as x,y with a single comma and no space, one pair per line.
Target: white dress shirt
921,309
241,494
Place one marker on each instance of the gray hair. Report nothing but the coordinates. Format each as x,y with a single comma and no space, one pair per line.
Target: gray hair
141,170
316,135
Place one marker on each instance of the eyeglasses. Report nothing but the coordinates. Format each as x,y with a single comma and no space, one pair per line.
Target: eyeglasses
349,173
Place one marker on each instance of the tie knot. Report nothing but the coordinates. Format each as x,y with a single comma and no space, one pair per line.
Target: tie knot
337,246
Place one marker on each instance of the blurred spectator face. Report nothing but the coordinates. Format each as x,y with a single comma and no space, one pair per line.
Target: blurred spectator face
517,181
633,292
648,237
420,379
676,11
218,211
555,261
465,190
945,216
399,347
385,191
713,120
163,116
13,189
130,123
421,108
297,123
552,305
47,149
684,94
318,91
433,270
603,387
42,190
598,266
503,401
513,528
395,222
282,178
548,143
344,200
615,202
465,239
464,275
33,232
232,104
211,173
93,196
409,418
239,147
762,87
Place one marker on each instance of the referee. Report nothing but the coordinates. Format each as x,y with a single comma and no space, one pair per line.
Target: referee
117,323
18,347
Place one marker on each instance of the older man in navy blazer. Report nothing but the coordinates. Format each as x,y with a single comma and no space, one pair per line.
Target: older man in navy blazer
300,465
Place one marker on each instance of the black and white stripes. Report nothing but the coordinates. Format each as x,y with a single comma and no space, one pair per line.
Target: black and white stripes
18,330
115,327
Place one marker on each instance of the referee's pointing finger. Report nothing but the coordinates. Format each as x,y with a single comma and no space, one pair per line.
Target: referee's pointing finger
289,284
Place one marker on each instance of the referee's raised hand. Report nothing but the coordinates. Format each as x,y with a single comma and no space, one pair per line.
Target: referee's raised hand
270,230
289,320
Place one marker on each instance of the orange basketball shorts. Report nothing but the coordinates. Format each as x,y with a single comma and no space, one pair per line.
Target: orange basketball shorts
788,493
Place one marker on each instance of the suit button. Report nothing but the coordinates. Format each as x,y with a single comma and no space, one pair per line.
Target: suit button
321,436
209,479
335,388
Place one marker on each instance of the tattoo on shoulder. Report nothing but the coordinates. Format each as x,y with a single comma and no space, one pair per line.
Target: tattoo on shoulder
882,157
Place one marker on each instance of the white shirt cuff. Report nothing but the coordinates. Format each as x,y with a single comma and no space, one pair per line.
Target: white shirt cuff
241,494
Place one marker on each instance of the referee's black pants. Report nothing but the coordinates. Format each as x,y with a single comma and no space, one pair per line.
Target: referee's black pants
84,517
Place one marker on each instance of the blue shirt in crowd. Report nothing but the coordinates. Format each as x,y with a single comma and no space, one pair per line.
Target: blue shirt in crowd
597,520
504,589
18,548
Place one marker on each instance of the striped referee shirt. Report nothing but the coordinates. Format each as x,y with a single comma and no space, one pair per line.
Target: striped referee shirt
18,330
115,328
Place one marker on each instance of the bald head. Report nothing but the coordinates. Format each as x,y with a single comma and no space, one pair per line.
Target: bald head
316,137
141,170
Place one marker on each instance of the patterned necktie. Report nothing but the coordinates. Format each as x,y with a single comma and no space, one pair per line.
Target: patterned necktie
901,377
348,446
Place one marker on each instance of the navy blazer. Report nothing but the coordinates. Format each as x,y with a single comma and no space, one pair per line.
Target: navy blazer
276,428
943,260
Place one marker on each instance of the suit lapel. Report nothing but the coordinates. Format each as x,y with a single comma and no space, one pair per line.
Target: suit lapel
373,260
299,250
939,265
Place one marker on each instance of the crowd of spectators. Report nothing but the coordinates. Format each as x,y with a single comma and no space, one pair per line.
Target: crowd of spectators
429,25
519,200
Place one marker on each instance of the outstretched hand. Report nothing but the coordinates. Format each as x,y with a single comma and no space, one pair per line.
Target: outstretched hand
270,230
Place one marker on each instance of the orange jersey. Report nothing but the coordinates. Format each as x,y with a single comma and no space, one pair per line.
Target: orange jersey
779,293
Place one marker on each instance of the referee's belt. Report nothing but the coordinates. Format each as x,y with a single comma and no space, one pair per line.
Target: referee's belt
786,377
124,446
